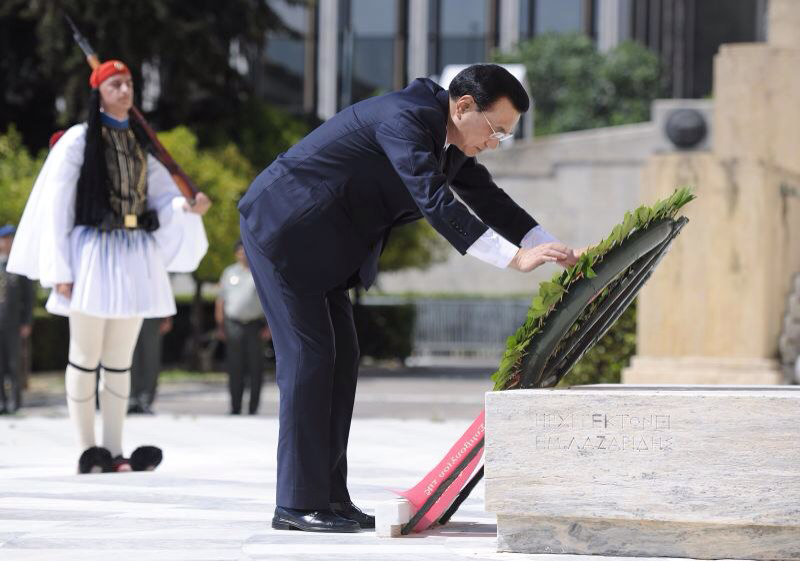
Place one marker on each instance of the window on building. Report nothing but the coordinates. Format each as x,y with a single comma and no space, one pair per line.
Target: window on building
368,32
458,31
687,35
289,79
560,16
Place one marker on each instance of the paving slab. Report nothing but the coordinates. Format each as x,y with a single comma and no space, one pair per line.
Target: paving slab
213,496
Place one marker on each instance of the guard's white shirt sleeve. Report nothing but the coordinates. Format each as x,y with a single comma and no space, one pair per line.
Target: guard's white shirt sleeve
494,249
180,236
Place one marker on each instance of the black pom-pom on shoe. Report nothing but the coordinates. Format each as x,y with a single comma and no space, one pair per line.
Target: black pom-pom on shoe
95,460
146,458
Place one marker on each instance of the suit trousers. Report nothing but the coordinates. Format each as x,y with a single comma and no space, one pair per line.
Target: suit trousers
317,354
146,364
10,344
244,358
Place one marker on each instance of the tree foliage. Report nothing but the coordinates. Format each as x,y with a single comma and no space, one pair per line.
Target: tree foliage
416,245
603,363
18,170
260,130
44,87
575,87
223,174
189,42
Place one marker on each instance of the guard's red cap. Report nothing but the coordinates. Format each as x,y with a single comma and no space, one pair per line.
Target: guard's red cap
107,70
55,137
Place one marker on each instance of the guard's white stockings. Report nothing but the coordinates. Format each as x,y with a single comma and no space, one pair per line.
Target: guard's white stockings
97,341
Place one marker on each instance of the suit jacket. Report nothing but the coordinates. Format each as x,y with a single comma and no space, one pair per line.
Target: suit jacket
322,211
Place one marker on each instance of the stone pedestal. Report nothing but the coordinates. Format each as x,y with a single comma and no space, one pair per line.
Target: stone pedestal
708,370
720,295
703,472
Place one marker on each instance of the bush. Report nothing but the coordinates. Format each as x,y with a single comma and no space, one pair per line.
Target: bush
18,171
385,331
223,174
416,245
575,87
260,130
604,362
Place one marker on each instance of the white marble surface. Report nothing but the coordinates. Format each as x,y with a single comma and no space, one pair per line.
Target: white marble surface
212,498
636,471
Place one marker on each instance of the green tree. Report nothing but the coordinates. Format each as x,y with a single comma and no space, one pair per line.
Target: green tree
18,170
222,173
190,42
632,78
604,362
416,245
575,87
260,130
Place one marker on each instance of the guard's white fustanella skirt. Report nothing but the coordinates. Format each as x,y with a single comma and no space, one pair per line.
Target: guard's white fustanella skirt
118,274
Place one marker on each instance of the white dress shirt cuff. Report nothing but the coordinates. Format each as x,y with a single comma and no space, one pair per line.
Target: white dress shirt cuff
494,249
537,236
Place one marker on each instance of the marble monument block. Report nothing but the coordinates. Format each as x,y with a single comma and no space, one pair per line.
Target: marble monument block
703,472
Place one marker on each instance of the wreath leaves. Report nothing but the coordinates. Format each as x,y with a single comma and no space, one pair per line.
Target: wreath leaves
551,292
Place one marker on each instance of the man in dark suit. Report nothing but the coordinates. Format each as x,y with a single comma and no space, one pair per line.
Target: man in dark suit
314,223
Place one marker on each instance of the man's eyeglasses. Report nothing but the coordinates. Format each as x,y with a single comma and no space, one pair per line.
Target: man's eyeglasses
498,136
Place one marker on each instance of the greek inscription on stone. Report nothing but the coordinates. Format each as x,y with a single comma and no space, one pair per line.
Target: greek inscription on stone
603,432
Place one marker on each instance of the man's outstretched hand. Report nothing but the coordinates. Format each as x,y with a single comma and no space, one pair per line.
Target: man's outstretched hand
554,252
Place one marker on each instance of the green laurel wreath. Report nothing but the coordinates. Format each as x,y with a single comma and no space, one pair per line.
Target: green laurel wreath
551,292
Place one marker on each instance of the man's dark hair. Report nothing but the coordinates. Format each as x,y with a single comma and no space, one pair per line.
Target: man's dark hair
487,83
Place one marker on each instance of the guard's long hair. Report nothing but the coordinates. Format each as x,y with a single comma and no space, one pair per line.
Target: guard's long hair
91,200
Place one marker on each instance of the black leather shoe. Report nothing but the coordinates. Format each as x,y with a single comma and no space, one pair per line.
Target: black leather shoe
352,512
311,521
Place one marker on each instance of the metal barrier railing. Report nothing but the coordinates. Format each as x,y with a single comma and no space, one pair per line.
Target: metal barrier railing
468,327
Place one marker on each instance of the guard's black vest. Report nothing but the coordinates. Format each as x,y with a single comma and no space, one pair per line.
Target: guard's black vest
114,195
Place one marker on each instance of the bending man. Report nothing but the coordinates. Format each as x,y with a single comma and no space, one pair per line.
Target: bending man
314,224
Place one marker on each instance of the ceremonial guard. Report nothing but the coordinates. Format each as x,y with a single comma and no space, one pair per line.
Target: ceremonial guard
16,312
104,224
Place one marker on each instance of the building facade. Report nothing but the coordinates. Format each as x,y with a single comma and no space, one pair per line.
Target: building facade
332,53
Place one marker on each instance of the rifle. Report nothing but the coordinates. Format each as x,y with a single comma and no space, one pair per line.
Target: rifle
184,183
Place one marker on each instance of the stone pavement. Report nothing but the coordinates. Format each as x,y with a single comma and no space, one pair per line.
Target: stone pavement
212,497
405,393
